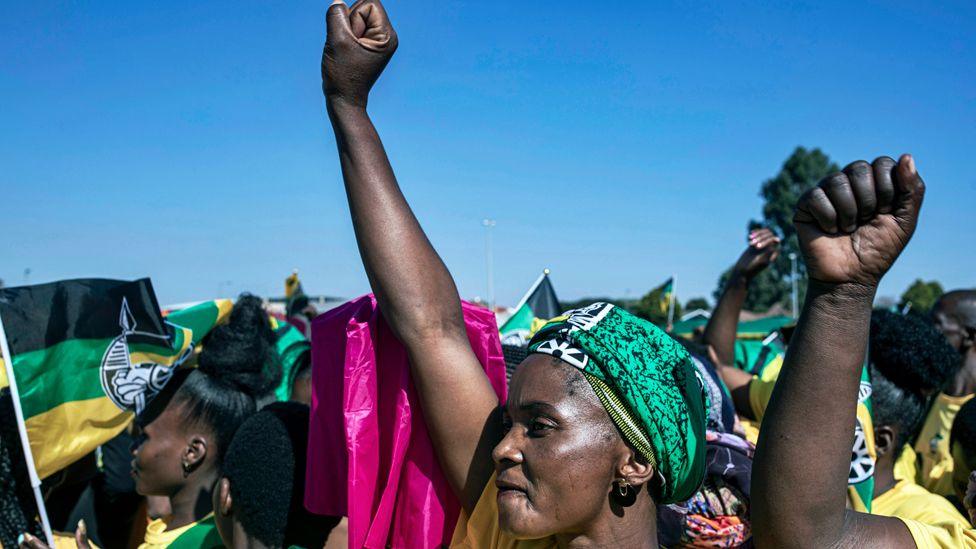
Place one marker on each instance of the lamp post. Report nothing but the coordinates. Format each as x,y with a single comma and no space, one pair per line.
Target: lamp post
793,294
489,260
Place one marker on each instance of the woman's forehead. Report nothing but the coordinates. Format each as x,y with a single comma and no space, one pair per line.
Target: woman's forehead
545,380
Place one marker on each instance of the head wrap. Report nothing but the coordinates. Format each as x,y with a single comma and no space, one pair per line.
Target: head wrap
645,380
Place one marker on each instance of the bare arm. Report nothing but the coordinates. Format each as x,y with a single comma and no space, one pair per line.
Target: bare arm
720,333
415,291
852,227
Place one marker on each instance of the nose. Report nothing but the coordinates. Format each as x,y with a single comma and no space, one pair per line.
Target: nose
509,448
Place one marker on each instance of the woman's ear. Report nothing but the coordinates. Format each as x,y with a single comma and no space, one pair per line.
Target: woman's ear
635,469
225,502
884,440
195,453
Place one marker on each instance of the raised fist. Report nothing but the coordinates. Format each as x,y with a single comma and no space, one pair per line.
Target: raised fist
854,223
763,249
359,43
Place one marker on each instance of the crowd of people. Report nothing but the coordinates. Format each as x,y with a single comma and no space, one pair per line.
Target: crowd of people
857,429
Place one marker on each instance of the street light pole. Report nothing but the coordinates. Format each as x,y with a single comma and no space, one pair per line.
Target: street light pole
794,295
489,267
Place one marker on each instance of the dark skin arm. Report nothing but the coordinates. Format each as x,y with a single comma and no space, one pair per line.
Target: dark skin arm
851,228
415,291
721,330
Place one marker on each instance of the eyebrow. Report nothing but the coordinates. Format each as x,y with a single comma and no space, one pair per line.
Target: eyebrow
537,405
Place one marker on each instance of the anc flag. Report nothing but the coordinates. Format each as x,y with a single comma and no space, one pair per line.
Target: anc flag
202,317
539,303
860,480
291,344
87,355
664,296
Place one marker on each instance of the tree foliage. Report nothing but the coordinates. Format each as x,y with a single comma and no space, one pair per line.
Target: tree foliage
697,303
801,171
921,295
650,307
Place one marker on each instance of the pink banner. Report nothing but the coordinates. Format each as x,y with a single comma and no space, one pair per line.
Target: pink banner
369,455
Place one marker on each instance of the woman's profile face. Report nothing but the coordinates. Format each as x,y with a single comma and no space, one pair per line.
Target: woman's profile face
557,462
158,452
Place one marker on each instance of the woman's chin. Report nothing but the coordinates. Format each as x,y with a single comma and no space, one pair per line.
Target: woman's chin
514,519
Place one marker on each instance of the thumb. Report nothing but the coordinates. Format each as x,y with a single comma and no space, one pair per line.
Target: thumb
909,191
337,21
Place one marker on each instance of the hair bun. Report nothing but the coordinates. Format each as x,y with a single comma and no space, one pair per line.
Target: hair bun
241,353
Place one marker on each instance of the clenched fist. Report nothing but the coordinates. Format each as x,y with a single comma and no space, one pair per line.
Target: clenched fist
854,224
359,43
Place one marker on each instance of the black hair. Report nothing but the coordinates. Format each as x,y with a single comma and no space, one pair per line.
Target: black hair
909,351
265,464
897,407
909,361
238,365
964,432
17,506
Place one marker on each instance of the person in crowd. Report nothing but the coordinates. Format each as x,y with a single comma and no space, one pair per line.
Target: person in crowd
186,430
909,361
720,332
954,314
851,229
258,500
606,416
962,444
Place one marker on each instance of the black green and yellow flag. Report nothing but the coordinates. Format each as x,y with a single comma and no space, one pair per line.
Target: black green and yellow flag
86,356
538,305
665,295
291,344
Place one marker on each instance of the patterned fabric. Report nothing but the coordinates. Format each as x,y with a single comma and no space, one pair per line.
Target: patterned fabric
655,393
718,514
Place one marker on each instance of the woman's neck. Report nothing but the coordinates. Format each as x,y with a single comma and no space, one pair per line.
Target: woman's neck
634,526
193,501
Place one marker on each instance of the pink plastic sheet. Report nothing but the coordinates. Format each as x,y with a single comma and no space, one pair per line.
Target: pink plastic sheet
369,455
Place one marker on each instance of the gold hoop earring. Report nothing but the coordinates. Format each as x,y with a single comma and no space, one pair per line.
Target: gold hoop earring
623,487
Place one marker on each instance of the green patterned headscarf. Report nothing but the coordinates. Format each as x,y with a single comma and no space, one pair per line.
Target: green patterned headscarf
646,381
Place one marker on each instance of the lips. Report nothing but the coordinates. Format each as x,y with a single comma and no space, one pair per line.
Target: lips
506,487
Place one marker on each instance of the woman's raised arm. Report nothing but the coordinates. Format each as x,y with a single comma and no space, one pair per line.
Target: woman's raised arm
416,293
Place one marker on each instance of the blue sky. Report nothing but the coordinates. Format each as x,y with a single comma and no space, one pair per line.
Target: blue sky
614,143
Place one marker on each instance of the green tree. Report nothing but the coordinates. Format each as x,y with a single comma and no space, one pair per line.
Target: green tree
801,171
697,303
922,295
650,307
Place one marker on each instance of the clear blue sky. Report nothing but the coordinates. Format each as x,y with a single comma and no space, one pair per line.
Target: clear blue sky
615,143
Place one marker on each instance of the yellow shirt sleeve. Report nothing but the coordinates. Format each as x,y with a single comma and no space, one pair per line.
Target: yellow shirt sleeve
760,391
947,536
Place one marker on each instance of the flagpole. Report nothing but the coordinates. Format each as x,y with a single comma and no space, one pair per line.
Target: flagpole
674,291
528,294
24,441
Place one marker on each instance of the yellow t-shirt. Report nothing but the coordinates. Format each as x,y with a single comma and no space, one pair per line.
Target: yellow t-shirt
157,537
952,536
64,540
480,530
907,500
760,391
932,445
905,466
